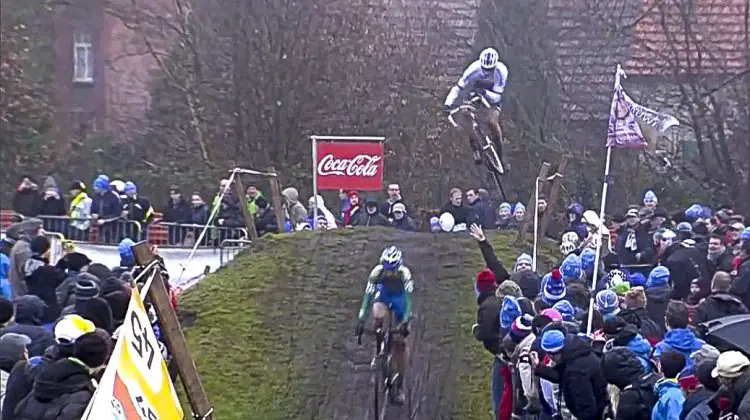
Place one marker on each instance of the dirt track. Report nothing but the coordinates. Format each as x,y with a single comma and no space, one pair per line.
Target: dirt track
324,301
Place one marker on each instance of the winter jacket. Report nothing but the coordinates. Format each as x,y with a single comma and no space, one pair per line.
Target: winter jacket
637,400
682,340
696,398
741,284
296,212
317,201
633,245
685,263
522,365
61,392
80,208
488,322
265,221
493,263
178,212
629,338
718,305
669,405
579,228
741,397
199,215
19,384
366,219
5,289
529,282
42,280
722,262
657,299
580,378
406,223
138,208
29,312
386,208
20,253
647,327
230,214
27,202
106,206
460,213
483,213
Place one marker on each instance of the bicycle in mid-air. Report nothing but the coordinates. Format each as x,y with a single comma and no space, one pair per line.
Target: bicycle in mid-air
491,157
382,369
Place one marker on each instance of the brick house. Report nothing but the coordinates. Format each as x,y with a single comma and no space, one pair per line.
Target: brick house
663,47
102,72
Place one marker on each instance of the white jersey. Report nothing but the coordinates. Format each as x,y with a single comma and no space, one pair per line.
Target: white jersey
474,79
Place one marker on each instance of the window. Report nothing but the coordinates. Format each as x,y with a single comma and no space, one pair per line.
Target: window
83,57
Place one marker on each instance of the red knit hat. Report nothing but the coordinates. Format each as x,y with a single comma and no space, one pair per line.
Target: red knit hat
485,282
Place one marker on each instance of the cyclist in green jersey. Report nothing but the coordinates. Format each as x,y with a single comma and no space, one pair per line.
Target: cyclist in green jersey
389,287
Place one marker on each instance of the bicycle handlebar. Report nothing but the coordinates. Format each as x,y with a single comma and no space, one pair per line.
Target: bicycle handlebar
468,106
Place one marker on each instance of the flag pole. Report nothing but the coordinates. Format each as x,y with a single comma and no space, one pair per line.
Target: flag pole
605,187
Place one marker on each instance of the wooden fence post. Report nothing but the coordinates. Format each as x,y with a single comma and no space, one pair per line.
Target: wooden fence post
554,193
276,199
249,220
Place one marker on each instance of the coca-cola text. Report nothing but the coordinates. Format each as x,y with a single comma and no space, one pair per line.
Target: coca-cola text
360,165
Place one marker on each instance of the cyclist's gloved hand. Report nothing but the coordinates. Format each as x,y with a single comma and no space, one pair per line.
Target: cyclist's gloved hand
448,109
360,328
403,328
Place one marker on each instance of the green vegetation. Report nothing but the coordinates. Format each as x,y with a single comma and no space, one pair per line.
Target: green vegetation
273,338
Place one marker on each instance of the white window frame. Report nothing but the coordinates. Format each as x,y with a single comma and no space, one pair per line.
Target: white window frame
83,41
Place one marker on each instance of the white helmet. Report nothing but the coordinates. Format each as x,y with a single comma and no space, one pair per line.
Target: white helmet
488,58
447,222
567,247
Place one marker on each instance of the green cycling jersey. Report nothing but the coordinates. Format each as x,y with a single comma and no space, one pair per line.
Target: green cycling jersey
398,282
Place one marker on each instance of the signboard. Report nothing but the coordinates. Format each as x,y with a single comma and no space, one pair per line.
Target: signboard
135,384
349,165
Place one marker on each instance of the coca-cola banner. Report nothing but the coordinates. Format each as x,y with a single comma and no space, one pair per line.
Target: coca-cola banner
349,165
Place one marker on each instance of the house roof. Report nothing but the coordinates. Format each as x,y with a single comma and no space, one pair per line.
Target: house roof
703,36
647,37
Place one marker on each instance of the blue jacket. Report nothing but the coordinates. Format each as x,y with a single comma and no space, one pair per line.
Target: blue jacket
106,205
682,340
669,405
642,349
4,283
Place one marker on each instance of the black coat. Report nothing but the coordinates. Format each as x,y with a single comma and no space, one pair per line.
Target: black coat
178,212
722,263
685,263
364,219
718,305
657,299
19,385
27,202
488,322
42,280
61,392
483,214
581,379
493,263
623,369
460,213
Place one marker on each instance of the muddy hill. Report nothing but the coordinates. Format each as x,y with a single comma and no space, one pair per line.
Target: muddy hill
272,333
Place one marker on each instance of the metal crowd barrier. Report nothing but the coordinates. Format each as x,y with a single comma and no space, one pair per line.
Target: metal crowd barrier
110,231
185,235
233,246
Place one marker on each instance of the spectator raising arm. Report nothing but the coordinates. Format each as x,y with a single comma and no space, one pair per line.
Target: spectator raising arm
493,263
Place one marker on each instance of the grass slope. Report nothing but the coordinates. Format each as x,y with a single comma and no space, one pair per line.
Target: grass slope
273,333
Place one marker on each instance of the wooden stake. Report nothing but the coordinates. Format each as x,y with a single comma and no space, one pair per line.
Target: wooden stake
249,220
522,230
276,199
554,192
173,336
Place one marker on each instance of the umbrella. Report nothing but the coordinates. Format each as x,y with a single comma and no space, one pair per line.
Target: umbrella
729,332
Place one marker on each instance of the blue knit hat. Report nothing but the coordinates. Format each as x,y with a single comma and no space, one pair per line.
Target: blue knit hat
658,277
588,260
571,268
607,303
745,235
650,196
101,183
553,341
130,188
637,279
509,311
553,287
694,212
567,310
126,252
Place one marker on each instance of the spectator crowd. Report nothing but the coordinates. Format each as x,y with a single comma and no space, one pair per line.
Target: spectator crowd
661,334
59,323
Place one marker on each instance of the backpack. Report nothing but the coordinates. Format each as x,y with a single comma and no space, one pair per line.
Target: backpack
647,399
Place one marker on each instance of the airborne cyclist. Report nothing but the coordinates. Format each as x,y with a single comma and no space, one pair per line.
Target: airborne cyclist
390,285
485,77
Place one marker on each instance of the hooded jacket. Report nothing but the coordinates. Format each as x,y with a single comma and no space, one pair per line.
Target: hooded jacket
682,340
52,203
367,219
581,379
488,322
669,405
483,213
685,263
718,305
322,209
27,200
61,392
629,338
624,370
295,211
29,312
658,299
42,280
20,253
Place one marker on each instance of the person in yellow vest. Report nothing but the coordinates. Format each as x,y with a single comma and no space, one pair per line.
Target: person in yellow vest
79,213
252,194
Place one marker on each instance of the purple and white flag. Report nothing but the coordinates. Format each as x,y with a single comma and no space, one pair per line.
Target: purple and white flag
624,117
